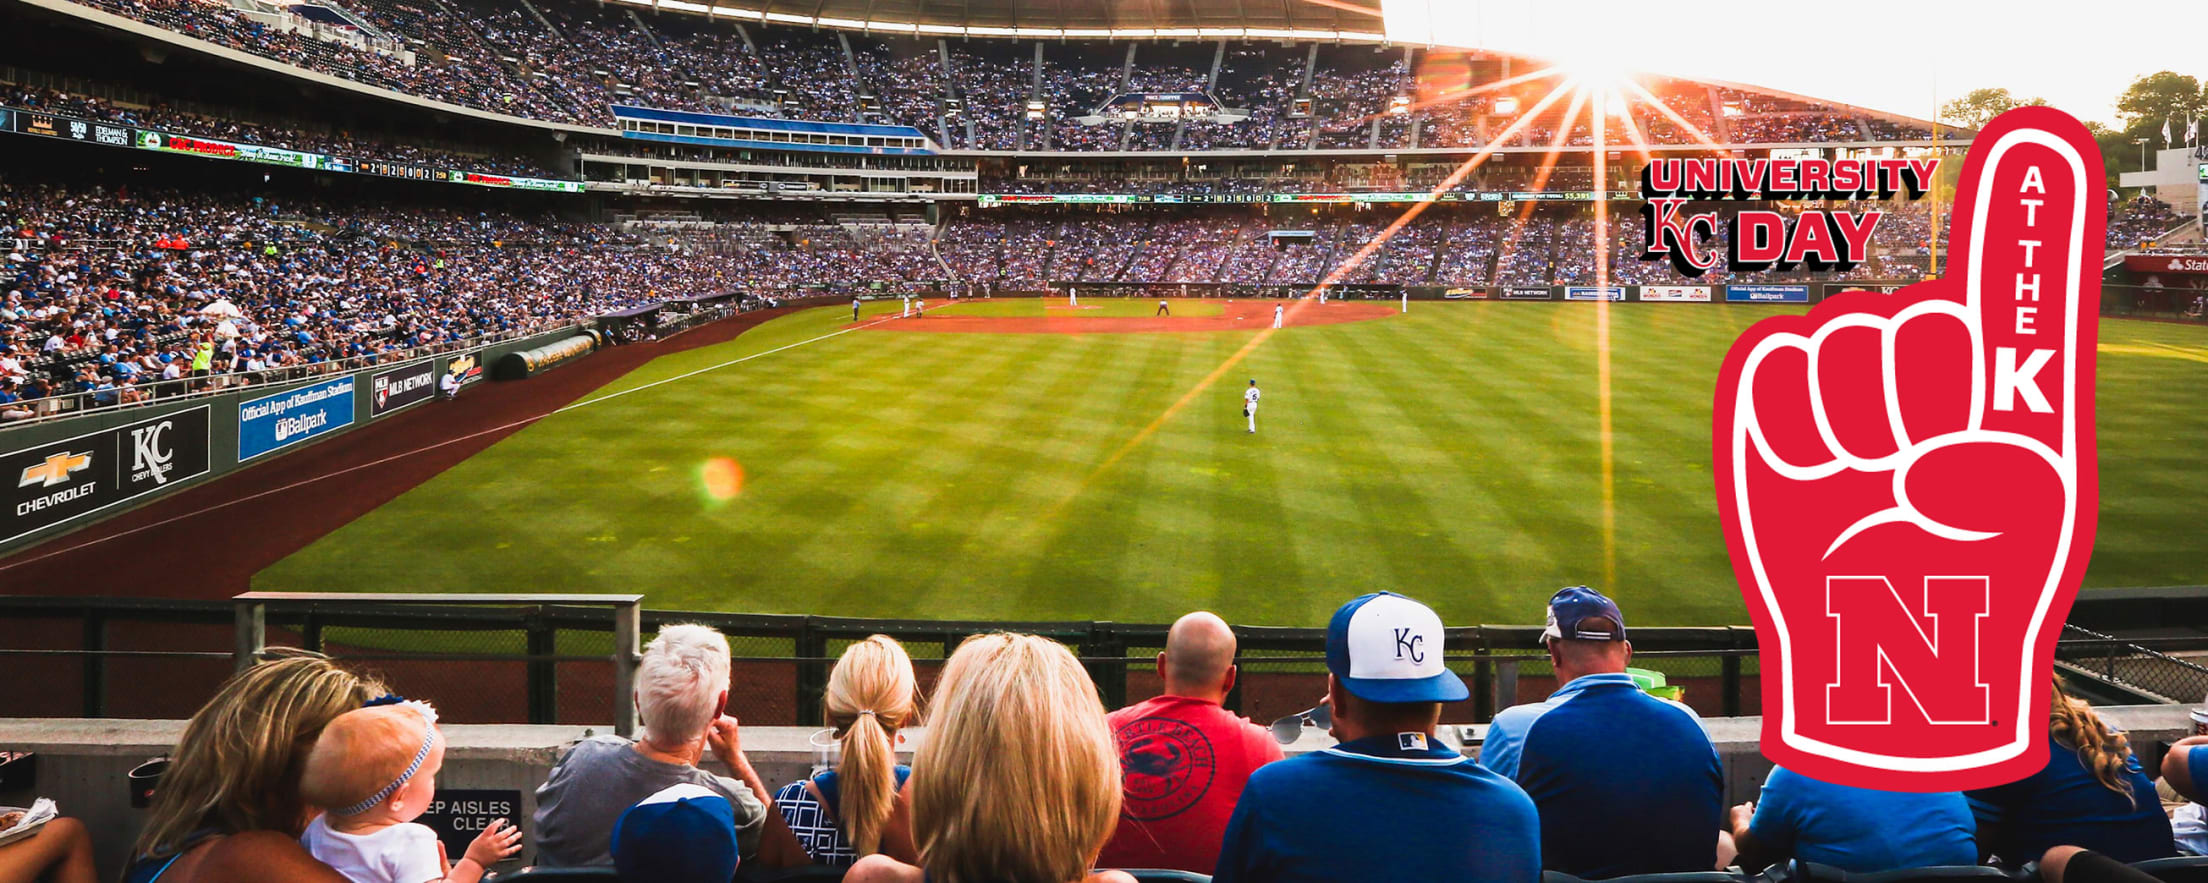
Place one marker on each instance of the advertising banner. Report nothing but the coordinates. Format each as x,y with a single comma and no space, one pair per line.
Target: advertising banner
467,367
275,156
73,477
397,388
1527,293
1675,294
2166,263
483,180
1465,294
1583,292
279,420
1767,294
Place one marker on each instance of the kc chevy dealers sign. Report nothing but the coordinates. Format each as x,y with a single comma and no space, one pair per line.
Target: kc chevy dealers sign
67,479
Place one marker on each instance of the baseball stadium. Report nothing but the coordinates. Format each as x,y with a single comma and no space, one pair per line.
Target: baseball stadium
471,348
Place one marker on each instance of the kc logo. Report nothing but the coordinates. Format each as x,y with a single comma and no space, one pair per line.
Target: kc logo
1908,483
149,455
1679,237
1410,646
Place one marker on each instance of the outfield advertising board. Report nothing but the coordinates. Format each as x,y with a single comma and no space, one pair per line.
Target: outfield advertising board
1767,294
1584,292
279,420
399,387
1526,294
73,477
1465,294
1675,294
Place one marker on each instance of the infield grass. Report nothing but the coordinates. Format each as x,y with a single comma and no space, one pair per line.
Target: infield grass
1451,453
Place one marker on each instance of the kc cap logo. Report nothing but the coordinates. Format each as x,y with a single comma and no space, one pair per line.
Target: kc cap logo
1384,647
1908,483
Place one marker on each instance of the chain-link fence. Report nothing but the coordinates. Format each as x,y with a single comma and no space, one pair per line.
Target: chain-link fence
489,661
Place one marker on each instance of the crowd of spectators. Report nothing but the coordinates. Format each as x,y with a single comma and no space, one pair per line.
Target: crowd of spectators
1025,776
2140,220
291,135
566,61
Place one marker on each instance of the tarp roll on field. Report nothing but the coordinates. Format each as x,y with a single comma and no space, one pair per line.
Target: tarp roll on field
526,363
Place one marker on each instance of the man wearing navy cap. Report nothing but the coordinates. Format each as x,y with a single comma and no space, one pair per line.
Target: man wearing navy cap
1627,783
1391,800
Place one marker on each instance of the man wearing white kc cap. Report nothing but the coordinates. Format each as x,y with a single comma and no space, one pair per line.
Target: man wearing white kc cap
1391,800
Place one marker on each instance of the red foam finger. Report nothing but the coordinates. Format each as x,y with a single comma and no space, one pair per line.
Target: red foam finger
1782,409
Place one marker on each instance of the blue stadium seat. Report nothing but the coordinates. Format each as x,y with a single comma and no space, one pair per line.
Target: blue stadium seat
2183,869
1811,872
1679,877
556,875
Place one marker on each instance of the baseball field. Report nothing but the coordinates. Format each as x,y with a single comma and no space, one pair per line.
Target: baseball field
1034,461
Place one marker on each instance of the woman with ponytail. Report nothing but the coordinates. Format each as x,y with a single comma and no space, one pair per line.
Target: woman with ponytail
855,809
2091,793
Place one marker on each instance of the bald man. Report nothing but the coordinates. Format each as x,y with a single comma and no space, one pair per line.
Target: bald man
1184,758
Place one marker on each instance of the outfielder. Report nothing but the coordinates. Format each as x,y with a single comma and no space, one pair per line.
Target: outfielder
1249,402
1279,312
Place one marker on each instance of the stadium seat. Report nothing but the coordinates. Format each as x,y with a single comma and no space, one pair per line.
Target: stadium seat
2182,869
556,875
1812,872
1678,877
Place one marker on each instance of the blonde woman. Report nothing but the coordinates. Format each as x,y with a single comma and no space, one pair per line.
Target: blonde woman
851,812
1018,778
2092,793
229,806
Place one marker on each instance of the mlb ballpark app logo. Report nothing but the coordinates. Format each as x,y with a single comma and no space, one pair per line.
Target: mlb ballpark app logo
1908,483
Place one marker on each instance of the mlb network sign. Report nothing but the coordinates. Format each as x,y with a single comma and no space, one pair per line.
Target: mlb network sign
279,420
63,480
1909,559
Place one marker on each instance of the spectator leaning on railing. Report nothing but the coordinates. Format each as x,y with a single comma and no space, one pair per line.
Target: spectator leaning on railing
681,699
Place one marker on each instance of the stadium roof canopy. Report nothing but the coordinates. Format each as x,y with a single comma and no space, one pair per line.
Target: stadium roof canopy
1285,19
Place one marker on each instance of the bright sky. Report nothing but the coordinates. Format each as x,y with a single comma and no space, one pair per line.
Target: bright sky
1891,57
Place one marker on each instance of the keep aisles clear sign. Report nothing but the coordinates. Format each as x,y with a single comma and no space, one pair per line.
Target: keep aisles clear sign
70,478
279,420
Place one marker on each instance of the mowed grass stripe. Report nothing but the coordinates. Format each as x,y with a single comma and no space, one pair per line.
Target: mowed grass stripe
1450,453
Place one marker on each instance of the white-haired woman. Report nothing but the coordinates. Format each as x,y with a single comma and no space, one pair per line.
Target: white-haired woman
1018,778
681,700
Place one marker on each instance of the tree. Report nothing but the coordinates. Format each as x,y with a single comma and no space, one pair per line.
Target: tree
2159,97
1978,108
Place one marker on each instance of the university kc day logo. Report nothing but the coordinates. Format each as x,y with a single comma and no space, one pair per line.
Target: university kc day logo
1908,483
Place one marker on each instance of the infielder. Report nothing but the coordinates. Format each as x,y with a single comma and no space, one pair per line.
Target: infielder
1163,310
854,309
1279,312
1249,403
908,307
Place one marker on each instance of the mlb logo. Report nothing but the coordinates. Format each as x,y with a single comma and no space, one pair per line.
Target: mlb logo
383,390
1410,741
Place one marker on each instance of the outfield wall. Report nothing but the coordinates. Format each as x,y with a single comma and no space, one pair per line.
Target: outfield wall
77,471
1740,293
82,764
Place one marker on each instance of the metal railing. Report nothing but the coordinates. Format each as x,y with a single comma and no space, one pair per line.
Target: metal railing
511,658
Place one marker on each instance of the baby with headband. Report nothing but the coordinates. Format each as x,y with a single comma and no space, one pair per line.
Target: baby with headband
374,771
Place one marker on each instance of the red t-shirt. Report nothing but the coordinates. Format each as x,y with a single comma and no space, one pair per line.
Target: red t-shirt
1183,763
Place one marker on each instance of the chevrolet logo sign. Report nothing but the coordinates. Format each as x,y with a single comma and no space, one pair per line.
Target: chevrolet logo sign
55,470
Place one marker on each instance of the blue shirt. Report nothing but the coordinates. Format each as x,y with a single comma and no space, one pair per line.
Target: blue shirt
1375,808
1627,783
1860,830
2063,804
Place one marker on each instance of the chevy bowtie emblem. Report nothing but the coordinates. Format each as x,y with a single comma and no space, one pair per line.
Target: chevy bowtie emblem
55,469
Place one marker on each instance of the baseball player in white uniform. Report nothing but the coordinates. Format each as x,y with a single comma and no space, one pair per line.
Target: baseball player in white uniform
1279,312
1249,403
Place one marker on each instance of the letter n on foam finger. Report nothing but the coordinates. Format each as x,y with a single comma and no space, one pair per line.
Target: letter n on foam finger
1908,483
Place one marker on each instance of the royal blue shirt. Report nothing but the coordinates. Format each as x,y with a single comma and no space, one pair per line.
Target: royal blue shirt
2064,805
1399,807
1627,783
1860,830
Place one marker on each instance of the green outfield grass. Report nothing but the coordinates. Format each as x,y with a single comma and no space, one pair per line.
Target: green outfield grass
1450,453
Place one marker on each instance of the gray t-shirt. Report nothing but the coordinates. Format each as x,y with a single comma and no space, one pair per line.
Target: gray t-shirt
600,778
